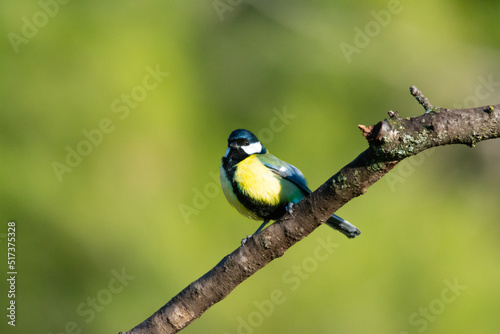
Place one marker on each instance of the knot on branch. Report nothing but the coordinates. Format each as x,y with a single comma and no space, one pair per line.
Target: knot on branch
397,138
372,132
385,131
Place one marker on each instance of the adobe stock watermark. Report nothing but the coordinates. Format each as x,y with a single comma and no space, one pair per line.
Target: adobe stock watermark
88,310
211,189
223,6
406,168
484,90
30,26
122,107
373,28
427,314
292,279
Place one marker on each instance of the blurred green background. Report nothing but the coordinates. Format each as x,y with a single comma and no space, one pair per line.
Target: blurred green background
144,95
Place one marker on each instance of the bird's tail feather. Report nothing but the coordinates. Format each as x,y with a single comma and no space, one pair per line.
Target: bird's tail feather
343,226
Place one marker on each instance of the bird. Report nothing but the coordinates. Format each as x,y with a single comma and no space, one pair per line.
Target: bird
262,187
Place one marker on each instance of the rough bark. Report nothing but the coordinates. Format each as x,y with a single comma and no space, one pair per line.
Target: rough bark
390,141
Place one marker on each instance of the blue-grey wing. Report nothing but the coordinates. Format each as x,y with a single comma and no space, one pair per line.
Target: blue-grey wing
286,171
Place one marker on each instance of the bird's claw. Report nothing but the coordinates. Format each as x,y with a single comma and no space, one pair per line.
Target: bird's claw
289,208
244,241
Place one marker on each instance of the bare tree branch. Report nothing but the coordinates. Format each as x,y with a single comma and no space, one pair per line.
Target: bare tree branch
390,141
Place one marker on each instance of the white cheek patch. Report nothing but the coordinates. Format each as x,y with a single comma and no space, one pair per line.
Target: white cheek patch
252,148
227,152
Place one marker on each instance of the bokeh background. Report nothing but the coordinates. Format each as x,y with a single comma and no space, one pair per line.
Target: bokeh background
145,94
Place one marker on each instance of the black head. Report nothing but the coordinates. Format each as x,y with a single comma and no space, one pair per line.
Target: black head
242,143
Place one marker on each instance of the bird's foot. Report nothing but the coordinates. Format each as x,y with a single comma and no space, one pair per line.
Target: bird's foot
244,241
289,208
258,230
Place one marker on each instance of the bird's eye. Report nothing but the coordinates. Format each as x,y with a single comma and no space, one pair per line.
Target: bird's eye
246,143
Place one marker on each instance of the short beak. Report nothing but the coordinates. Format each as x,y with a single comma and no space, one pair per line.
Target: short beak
233,145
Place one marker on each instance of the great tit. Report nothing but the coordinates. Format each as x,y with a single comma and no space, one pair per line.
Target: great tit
263,187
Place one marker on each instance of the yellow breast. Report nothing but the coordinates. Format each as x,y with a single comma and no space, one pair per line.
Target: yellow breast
258,182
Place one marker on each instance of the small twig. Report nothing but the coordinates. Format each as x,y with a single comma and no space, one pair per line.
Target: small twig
421,99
